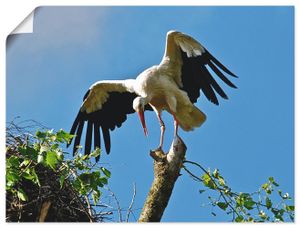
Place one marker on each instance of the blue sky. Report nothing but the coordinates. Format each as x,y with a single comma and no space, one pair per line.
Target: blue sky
248,137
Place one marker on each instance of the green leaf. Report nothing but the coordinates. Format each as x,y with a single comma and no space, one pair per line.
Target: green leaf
278,213
63,136
95,153
239,219
249,204
54,146
96,196
31,175
85,178
207,181
41,135
103,180
36,178
85,157
265,186
13,161
22,195
263,215
40,158
62,181
27,175
60,156
290,208
221,181
25,163
271,179
250,219
222,205
278,216
268,203
51,159
215,173
12,177
106,172
240,201
44,148
29,151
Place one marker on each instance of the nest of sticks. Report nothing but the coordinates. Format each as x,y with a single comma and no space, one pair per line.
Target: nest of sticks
48,202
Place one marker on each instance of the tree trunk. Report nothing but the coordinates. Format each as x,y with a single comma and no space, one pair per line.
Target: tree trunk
166,171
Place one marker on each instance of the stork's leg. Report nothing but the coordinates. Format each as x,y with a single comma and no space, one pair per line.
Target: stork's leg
175,126
162,131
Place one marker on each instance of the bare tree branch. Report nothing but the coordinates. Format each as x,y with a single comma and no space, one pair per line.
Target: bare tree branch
166,171
131,204
118,204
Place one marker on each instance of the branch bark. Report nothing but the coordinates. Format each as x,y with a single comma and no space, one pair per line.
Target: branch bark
44,211
166,171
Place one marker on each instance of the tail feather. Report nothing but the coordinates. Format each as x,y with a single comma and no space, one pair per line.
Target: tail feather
190,117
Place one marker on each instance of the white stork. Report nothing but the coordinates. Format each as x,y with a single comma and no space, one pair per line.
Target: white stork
173,85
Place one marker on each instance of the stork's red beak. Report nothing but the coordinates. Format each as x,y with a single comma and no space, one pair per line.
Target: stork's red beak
142,118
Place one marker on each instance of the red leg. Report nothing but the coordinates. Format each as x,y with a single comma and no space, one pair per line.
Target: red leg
175,126
162,131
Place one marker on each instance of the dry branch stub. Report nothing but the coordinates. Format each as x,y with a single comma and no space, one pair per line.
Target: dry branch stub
166,171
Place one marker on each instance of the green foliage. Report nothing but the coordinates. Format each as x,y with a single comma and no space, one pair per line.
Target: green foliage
44,149
259,206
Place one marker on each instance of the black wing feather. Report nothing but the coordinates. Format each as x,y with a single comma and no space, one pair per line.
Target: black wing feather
112,114
207,87
220,74
78,136
88,138
219,64
97,142
74,126
196,77
213,83
106,137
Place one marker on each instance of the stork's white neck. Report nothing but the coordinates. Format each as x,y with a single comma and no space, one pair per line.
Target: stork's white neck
139,103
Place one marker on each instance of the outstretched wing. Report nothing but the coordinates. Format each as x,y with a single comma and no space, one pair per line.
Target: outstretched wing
194,60
104,107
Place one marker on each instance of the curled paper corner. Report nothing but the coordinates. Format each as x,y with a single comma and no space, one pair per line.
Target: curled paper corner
26,26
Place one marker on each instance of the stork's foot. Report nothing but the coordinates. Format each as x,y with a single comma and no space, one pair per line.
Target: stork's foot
178,143
158,155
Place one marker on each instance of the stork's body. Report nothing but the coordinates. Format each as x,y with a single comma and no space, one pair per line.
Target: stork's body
173,85
162,93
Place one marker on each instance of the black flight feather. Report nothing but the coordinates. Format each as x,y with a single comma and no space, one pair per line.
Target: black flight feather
78,136
112,114
106,137
220,74
88,138
213,83
219,64
196,77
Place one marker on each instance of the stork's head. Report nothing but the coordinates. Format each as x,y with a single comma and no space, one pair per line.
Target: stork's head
139,106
